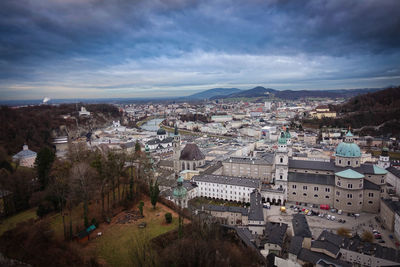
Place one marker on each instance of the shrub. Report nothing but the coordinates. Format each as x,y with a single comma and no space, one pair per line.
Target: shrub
168,217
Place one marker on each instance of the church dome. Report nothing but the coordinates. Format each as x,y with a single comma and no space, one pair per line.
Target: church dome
161,131
348,148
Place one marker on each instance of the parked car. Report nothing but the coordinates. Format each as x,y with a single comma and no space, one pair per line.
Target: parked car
339,212
333,210
333,218
328,216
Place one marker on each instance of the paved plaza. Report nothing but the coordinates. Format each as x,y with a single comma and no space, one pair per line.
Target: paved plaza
366,221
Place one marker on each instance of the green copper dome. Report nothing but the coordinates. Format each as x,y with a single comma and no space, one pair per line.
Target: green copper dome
287,134
348,150
350,174
282,139
179,191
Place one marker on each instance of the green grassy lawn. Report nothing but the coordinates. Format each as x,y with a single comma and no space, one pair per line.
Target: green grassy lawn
11,222
117,239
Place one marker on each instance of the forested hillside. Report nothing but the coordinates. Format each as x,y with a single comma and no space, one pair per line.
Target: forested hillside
37,125
376,114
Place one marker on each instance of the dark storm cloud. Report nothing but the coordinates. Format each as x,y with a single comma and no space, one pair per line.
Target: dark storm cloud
41,39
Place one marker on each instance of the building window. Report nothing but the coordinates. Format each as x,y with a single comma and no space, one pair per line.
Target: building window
348,162
281,160
356,162
294,186
326,196
281,176
304,187
327,190
315,195
304,194
350,186
337,193
348,203
382,190
340,161
349,195
338,183
382,181
315,188
370,202
337,200
371,194
294,193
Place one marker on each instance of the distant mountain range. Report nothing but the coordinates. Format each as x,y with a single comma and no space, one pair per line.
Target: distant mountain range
262,92
216,92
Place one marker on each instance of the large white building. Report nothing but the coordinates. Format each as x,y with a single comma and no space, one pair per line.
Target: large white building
228,188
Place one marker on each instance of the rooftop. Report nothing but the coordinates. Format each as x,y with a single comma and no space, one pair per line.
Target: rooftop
191,152
300,226
350,174
228,180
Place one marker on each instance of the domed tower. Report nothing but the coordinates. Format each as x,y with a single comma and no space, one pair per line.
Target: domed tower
161,134
348,154
384,161
177,149
281,163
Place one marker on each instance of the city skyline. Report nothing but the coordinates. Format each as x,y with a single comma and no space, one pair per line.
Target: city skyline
101,49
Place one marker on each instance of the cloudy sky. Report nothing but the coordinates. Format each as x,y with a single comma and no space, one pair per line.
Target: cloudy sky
146,48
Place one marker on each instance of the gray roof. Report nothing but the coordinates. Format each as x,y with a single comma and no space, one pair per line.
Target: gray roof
356,244
335,239
370,185
256,208
246,236
300,226
265,159
393,205
328,166
328,246
311,165
233,209
307,255
296,244
25,153
228,180
275,233
156,141
394,171
324,179
191,152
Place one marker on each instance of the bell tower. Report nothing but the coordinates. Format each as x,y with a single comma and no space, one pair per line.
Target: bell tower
177,150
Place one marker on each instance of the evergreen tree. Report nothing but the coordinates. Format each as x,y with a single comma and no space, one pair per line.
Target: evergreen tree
43,163
154,192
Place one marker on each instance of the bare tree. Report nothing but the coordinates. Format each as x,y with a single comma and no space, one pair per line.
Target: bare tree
60,186
83,184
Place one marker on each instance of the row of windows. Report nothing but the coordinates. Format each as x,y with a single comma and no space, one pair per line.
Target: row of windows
327,189
305,194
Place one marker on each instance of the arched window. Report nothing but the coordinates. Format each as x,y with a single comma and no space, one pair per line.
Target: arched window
281,160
